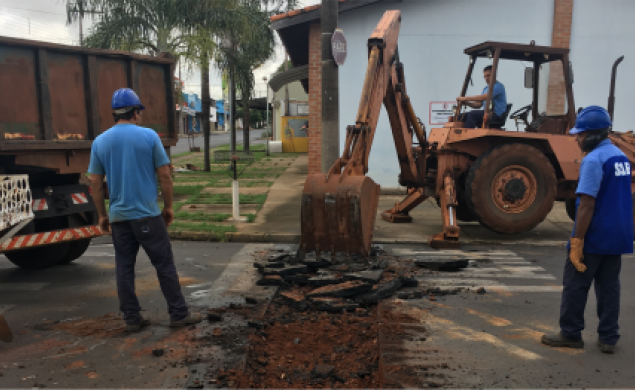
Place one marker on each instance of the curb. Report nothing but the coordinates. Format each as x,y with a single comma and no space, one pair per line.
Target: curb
295,239
195,236
263,237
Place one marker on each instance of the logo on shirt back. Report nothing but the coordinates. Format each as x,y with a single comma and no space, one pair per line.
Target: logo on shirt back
622,169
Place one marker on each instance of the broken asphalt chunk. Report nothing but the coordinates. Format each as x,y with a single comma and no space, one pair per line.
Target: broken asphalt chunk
382,291
214,317
287,270
333,305
367,276
295,299
158,352
251,300
255,324
271,280
409,281
441,264
326,280
341,290
297,279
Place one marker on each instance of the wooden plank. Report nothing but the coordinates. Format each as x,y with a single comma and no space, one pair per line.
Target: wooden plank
91,68
44,94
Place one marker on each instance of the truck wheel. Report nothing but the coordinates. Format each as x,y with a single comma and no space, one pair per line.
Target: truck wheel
569,205
511,188
40,257
75,250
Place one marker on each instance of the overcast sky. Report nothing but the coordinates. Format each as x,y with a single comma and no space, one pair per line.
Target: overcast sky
45,20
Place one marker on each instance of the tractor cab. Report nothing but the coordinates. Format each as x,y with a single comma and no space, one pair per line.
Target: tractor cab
528,115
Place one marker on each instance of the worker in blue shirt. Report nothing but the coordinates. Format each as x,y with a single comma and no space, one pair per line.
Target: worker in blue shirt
603,231
131,157
474,118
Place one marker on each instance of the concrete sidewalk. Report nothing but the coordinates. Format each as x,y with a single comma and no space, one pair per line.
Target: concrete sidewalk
279,219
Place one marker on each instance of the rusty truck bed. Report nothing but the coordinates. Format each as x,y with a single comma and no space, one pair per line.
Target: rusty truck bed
56,99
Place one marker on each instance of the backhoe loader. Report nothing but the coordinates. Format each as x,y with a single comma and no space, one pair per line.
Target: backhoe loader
506,180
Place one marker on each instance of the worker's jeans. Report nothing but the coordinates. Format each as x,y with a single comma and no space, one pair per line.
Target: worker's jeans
604,270
151,234
474,119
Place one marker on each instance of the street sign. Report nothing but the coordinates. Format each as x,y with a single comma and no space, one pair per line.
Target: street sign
338,47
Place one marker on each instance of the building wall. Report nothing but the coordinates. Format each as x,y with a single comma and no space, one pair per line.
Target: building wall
315,98
601,32
297,95
433,35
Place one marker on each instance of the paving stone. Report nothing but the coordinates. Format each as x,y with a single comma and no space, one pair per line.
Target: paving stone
326,280
270,280
333,305
381,291
341,290
367,276
287,270
443,264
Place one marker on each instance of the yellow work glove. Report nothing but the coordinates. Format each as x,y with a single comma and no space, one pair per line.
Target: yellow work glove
576,253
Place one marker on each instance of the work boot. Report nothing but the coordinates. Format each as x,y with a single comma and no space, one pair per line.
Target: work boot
192,318
558,340
138,326
606,348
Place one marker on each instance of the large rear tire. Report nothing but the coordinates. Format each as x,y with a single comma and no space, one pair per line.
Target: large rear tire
75,250
40,257
511,188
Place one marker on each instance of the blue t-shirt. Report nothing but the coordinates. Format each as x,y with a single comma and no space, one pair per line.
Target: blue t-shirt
129,155
499,98
605,174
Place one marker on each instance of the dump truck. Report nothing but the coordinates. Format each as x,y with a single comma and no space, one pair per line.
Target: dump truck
505,179
55,101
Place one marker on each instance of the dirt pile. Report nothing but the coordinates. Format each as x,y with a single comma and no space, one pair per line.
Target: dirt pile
311,349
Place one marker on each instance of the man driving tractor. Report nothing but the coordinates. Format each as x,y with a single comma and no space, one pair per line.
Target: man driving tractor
474,118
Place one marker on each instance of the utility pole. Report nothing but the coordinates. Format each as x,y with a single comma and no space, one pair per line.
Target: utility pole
330,87
267,108
81,31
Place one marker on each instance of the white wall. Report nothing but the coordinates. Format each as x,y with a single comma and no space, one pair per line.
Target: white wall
601,32
434,34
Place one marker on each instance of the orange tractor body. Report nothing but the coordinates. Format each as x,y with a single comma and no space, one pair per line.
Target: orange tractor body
507,180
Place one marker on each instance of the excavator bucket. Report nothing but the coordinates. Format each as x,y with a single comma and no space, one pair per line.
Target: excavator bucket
5,331
338,214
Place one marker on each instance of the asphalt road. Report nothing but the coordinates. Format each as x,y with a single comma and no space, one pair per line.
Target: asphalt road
88,347
493,340
68,334
216,140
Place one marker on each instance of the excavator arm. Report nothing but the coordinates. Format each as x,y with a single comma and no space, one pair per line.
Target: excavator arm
339,208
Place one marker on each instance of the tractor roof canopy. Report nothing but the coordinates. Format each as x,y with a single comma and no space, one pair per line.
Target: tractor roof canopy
515,51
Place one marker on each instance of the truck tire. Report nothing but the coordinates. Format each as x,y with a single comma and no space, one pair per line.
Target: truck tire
569,205
40,257
75,250
511,188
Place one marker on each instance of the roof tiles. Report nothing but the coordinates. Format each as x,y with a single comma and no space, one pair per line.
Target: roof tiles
297,12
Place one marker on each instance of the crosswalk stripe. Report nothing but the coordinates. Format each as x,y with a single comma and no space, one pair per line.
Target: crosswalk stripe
486,269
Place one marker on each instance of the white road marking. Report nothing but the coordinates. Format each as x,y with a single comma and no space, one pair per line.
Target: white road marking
500,265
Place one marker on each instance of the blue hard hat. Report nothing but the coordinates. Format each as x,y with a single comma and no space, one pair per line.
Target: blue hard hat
125,98
591,118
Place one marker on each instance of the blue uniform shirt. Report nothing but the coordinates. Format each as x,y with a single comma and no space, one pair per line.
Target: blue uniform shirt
605,174
129,155
499,98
